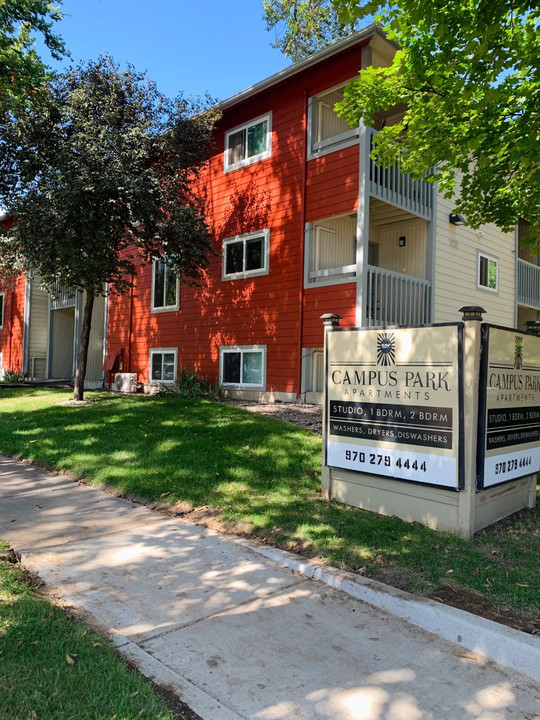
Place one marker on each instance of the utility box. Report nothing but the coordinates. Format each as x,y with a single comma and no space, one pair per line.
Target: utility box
125,382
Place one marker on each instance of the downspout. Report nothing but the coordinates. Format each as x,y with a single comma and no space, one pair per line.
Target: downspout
302,246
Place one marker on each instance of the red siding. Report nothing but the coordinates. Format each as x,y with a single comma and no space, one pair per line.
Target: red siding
281,193
11,336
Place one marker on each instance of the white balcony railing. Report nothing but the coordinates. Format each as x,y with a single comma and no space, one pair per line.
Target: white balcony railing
528,284
392,186
62,297
344,273
396,299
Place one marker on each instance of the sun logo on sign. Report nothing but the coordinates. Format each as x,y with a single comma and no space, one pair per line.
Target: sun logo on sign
518,353
386,349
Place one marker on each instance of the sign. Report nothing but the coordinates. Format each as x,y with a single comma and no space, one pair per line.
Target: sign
393,403
509,428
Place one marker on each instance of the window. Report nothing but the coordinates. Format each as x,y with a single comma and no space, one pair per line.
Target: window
165,286
243,367
331,251
1,310
327,130
248,143
488,272
246,255
163,365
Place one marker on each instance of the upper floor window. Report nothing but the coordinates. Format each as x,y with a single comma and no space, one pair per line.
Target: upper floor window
246,255
488,272
248,143
327,130
1,310
331,251
165,286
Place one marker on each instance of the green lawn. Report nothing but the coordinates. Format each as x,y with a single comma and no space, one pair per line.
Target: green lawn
53,668
265,475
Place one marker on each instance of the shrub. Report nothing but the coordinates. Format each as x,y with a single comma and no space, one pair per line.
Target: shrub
190,385
9,377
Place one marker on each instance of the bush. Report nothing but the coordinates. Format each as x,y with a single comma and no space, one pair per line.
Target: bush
190,385
9,377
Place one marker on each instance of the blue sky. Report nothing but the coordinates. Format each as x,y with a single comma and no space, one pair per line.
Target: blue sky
184,45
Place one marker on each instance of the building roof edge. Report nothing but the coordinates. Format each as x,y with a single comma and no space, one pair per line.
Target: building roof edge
319,56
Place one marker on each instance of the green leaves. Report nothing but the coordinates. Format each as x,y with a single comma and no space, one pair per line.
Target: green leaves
309,25
468,79
106,163
22,72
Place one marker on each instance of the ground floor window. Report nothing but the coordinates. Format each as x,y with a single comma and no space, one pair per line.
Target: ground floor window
243,367
163,363
488,272
1,310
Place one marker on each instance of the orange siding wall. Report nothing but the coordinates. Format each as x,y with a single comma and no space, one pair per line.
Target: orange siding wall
11,336
280,193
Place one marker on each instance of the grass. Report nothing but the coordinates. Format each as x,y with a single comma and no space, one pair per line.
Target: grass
53,667
265,475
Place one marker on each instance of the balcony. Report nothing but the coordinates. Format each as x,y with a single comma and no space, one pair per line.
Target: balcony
392,186
62,297
528,284
396,299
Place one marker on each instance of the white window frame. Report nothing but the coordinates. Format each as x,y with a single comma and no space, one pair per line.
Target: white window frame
328,145
480,254
264,270
330,276
164,308
243,349
162,351
254,158
2,309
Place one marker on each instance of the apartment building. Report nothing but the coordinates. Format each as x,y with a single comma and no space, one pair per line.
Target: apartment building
305,224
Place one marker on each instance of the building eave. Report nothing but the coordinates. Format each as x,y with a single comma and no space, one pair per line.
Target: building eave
355,38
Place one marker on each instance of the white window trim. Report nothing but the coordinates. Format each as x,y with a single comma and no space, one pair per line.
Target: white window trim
254,158
242,349
315,278
3,298
160,351
337,142
481,254
164,308
264,270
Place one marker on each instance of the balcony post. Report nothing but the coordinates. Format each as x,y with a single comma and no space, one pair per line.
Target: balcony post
362,224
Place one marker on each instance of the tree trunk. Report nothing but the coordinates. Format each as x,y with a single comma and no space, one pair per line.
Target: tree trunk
82,355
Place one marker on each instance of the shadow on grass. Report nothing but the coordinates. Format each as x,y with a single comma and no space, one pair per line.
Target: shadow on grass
260,472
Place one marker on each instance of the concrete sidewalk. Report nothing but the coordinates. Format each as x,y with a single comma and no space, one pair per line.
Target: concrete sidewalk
242,632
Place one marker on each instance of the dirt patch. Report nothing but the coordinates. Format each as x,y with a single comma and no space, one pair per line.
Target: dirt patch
477,604
308,417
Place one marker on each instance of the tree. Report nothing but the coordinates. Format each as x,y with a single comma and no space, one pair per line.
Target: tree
22,72
468,76
99,178
302,27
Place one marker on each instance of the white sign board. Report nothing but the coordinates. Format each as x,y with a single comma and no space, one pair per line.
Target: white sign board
393,403
509,431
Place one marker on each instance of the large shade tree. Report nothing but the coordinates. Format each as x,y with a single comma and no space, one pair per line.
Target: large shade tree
22,70
468,76
100,177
